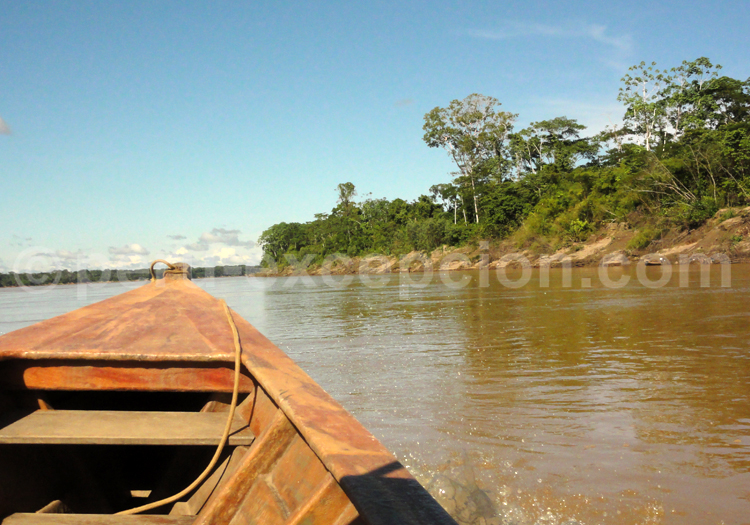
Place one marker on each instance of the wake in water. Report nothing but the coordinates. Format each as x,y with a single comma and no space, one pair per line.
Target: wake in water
476,491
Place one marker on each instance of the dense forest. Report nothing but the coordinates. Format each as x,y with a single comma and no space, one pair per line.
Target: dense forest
681,153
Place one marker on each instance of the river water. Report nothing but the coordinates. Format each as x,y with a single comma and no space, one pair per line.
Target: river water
564,400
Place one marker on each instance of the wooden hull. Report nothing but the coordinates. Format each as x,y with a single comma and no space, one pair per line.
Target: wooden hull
123,402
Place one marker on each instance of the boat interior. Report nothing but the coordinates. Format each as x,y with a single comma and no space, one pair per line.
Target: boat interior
124,403
79,451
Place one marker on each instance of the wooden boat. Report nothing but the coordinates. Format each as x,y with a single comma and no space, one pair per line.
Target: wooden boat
123,403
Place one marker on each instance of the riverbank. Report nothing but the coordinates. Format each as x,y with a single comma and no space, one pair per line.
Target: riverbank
723,238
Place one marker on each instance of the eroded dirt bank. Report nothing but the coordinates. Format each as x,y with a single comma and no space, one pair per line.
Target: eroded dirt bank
724,238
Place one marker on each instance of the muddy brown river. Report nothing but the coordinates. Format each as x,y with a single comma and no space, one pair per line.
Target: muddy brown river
560,402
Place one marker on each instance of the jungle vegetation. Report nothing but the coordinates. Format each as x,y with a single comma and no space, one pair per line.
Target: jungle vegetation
681,153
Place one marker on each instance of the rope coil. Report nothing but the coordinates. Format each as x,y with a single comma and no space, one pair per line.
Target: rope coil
151,269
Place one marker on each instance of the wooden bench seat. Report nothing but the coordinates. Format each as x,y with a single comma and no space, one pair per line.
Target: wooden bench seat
94,519
98,427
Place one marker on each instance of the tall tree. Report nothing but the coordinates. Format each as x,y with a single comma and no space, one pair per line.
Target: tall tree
346,208
472,131
642,95
556,141
347,192
688,95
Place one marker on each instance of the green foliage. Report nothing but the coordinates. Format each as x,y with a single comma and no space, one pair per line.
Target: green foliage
506,205
683,152
553,143
579,230
726,215
282,237
474,134
428,234
643,238
641,94
700,211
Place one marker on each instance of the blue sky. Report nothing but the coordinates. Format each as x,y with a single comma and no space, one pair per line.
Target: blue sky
143,130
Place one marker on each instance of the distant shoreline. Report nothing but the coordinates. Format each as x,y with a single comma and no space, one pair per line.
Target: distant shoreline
720,239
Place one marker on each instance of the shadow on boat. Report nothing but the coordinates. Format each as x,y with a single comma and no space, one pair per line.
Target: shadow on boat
383,493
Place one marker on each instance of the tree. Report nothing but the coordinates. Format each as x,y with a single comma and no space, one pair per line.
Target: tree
730,101
447,193
507,205
472,131
346,192
425,208
346,208
398,211
642,96
281,237
687,95
613,133
550,142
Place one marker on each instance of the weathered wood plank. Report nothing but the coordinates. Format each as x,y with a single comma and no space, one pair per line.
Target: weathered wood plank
258,409
212,485
94,519
297,474
272,443
54,507
324,506
349,516
54,374
260,506
100,427
161,321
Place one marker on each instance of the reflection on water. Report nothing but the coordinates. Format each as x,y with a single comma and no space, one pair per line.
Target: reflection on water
559,404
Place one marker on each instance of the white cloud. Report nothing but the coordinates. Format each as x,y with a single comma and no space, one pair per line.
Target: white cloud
228,237
231,256
219,256
598,33
128,261
197,246
218,246
43,259
40,259
177,237
18,241
68,257
129,249
595,32
217,236
225,252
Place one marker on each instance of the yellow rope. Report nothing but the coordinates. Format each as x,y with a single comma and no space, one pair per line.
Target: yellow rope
153,274
227,428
